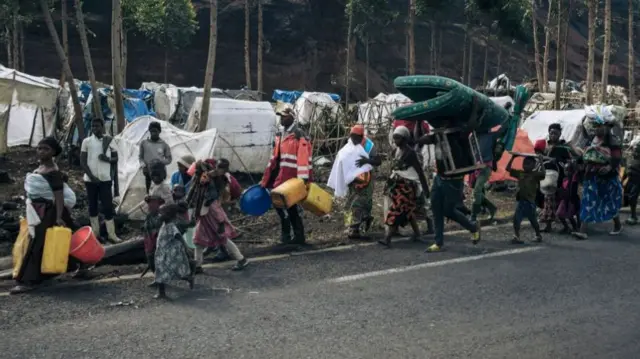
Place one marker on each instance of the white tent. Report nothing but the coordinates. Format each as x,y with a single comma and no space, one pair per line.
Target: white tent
31,104
246,131
132,187
373,113
312,106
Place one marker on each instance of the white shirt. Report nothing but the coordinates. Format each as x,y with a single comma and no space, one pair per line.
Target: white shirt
92,145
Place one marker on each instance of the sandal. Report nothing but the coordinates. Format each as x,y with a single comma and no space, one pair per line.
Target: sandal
580,236
616,232
19,289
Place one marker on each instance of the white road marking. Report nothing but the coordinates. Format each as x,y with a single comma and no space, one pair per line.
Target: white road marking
355,277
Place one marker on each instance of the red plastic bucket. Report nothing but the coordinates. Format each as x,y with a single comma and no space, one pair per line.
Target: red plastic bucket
85,247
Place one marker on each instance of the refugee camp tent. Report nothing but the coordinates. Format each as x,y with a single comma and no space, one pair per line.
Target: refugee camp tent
522,144
174,103
132,186
314,106
31,104
293,96
374,113
574,128
246,131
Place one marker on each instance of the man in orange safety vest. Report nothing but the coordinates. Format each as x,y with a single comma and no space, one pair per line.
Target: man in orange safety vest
291,158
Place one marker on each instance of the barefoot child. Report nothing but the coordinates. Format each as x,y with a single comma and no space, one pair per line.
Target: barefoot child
528,182
171,260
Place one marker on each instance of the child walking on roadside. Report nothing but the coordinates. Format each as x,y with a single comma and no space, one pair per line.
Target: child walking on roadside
171,259
528,182
150,229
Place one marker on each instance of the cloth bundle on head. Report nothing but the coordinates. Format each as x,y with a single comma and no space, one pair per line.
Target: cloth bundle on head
599,114
53,143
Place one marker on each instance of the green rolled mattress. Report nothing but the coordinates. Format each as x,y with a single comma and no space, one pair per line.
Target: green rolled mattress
445,103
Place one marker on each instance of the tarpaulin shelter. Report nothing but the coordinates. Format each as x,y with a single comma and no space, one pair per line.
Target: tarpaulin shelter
132,186
29,104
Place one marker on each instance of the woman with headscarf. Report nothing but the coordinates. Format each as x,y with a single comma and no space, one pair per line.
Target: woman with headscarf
213,227
601,186
48,202
406,183
360,197
181,177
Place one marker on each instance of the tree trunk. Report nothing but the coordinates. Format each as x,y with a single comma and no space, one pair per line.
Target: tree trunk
536,45
632,61
22,58
65,33
499,58
559,55
366,71
607,50
591,45
211,64
348,69
411,36
464,57
44,6
547,43
117,64
125,51
16,39
166,65
86,52
566,42
260,47
485,71
470,62
432,48
247,43
439,55
8,44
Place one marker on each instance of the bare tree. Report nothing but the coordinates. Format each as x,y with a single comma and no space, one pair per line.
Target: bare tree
536,45
558,56
116,57
44,6
632,61
607,50
211,65
591,45
411,37
86,52
544,87
260,46
247,43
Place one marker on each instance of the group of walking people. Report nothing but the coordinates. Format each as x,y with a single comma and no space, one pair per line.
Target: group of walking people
193,202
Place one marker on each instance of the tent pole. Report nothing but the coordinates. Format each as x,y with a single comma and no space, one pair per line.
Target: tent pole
44,130
33,126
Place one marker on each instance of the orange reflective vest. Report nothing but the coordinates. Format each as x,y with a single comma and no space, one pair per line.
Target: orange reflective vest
291,158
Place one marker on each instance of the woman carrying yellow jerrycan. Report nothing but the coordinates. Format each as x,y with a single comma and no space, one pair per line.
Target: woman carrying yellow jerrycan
42,247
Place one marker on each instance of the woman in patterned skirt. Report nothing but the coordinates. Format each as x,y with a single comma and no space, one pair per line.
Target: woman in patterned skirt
406,183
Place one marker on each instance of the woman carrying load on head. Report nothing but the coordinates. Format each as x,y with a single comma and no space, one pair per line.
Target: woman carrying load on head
559,154
406,183
360,198
49,199
601,186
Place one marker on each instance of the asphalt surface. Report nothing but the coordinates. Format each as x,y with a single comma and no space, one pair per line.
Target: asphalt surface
559,299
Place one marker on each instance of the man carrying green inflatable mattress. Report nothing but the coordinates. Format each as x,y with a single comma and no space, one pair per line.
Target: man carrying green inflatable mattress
447,192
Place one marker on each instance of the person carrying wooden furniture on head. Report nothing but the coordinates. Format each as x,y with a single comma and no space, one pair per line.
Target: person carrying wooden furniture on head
97,154
291,158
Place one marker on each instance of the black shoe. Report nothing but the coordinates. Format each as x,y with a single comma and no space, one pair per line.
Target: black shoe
240,265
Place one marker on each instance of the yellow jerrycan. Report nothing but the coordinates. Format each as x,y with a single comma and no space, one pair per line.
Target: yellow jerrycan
55,256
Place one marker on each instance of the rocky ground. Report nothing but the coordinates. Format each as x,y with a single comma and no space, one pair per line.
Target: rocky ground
258,234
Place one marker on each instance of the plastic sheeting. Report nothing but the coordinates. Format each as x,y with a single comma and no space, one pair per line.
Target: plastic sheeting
537,125
312,106
246,131
522,144
374,113
132,186
293,96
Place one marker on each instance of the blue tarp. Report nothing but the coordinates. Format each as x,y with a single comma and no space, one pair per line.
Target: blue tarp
292,96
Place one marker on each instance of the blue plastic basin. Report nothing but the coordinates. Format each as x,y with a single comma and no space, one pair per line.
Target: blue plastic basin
255,201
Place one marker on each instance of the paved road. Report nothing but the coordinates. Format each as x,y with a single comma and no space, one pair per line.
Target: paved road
560,299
